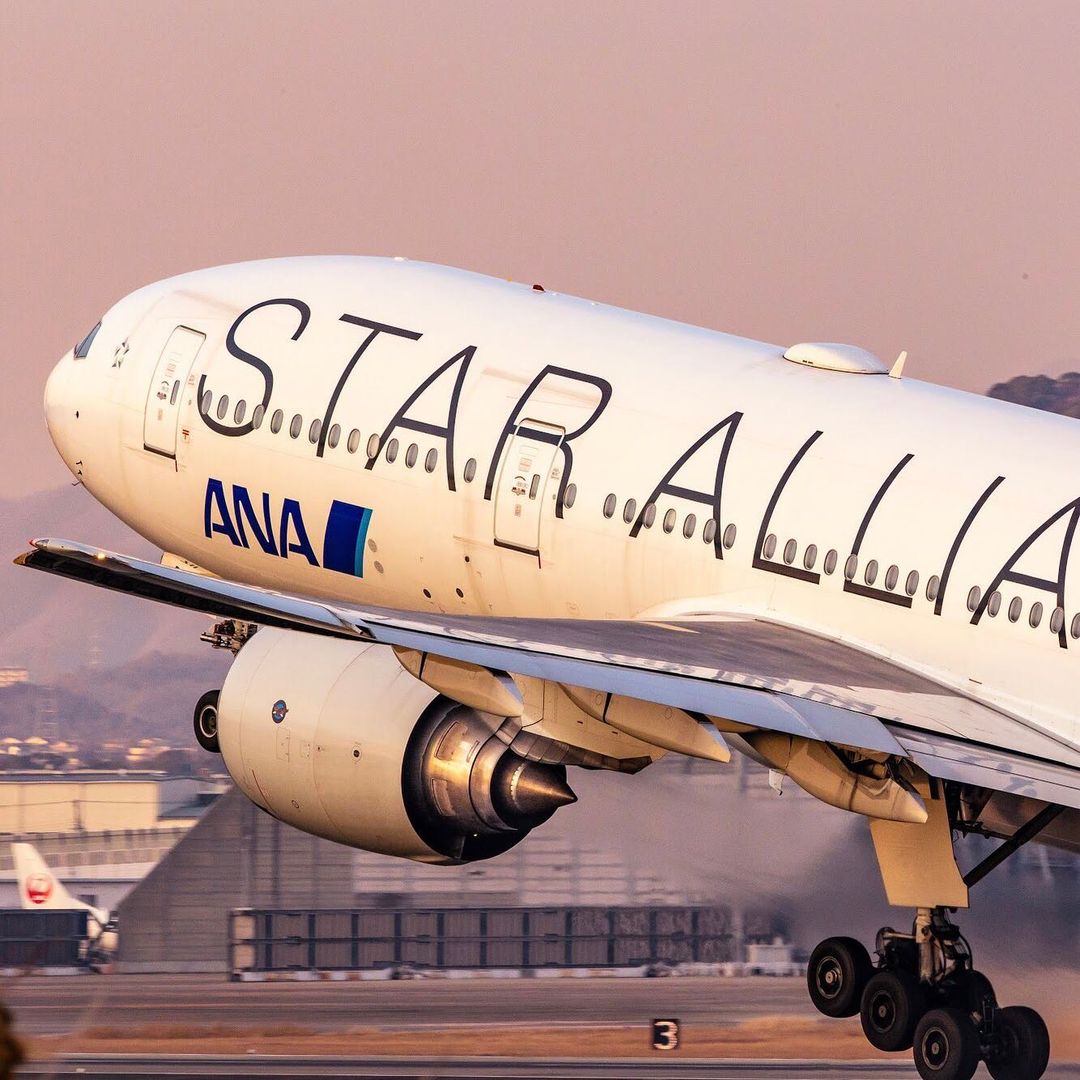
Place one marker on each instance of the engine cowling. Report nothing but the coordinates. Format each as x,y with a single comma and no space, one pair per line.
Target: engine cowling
336,738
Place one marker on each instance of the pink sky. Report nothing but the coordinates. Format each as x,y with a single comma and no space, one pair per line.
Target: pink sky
898,175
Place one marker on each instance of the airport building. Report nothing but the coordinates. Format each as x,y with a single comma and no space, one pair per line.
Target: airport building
715,854
102,831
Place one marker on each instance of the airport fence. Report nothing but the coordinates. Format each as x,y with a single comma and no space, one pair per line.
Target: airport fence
480,938
42,939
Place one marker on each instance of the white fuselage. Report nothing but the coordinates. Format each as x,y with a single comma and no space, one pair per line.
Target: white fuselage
561,410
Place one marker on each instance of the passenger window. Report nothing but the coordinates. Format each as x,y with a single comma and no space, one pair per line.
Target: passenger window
973,597
296,426
892,576
1035,615
205,403
1075,628
850,567
1057,620
222,406
609,505
809,556
1016,605
470,472
257,415
240,411
870,575
769,548
276,421
708,534
650,515
790,551
391,451
569,496
629,510
413,453
689,526
314,431
911,586
373,451
729,537
333,436
669,521
993,605
431,460
932,587
354,441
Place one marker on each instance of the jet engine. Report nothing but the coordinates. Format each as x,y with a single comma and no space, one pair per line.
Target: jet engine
336,738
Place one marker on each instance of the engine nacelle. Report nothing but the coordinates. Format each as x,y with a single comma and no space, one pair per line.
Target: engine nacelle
337,739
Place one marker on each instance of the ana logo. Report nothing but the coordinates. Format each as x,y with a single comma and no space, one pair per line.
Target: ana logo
243,519
39,888
278,711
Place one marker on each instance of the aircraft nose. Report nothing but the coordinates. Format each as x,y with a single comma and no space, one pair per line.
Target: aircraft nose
61,412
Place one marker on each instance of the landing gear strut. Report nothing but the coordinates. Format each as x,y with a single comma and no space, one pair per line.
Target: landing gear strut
924,995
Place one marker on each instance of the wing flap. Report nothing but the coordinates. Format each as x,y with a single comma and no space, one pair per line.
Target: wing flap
990,767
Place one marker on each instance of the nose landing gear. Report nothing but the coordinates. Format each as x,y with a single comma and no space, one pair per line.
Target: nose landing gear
206,721
925,995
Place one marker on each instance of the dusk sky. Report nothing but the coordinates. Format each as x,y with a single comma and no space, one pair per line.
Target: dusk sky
897,175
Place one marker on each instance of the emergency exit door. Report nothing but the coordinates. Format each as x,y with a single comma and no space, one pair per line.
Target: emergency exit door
167,390
523,480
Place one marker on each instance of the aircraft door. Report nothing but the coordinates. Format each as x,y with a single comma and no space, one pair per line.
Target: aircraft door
523,480
166,394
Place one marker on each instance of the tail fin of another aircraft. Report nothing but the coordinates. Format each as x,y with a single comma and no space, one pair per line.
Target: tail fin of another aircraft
39,888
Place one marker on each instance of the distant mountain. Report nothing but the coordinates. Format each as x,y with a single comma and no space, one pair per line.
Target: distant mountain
53,627
1060,395
152,696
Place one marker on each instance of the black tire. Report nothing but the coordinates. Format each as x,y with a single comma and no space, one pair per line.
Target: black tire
839,968
893,1003
1021,1048
206,721
972,992
946,1045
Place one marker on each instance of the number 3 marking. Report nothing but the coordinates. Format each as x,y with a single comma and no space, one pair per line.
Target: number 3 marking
665,1034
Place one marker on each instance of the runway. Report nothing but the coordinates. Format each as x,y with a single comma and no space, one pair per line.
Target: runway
433,1028
187,1068
183,1068
59,1005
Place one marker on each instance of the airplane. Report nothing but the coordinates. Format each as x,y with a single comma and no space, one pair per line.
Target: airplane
463,534
41,890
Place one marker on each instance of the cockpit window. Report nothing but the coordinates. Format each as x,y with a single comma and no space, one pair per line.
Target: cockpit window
83,347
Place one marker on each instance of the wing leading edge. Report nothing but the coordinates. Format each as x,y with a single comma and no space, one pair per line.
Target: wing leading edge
734,667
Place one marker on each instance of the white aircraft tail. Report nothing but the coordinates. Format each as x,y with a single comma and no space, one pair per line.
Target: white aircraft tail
40,889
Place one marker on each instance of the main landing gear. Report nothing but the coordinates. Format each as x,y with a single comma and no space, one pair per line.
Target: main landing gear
924,995
229,634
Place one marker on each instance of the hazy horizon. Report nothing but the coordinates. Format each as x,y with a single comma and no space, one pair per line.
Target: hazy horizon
896,175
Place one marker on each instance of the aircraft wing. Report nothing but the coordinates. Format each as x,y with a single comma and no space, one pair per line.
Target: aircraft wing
733,666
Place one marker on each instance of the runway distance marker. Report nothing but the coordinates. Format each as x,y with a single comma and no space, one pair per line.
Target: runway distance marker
665,1034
